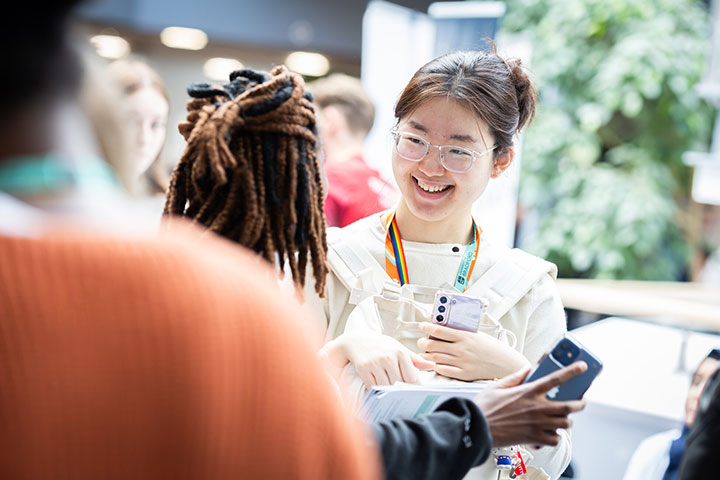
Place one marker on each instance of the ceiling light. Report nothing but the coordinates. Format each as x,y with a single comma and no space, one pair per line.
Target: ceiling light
308,63
219,68
184,38
110,46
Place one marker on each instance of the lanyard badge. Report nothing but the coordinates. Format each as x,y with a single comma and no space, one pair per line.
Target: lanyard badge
396,266
509,459
519,465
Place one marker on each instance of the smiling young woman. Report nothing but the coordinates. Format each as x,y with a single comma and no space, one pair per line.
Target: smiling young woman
436,201
455,124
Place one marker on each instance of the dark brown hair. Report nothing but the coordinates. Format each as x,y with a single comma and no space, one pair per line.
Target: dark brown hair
250,171
499,92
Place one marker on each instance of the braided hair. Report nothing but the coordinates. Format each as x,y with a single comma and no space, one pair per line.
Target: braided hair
250,170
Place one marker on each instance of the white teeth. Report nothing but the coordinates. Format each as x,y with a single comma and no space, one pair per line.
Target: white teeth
431,189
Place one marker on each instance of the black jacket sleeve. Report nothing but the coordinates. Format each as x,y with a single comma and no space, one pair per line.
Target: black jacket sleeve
442,445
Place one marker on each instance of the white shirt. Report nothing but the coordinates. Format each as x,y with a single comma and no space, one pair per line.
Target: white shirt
652,457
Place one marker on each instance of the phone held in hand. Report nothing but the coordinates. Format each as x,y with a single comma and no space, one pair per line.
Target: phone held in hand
566,351
455,310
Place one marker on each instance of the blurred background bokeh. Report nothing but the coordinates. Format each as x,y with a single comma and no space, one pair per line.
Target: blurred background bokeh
204,41
605,189
604,169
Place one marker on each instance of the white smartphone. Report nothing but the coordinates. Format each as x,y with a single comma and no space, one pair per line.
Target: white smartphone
455,310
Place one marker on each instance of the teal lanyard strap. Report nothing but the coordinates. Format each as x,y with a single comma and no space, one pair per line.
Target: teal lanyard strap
33,175
467,264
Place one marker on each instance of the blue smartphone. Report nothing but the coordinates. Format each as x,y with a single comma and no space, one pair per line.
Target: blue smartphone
566,351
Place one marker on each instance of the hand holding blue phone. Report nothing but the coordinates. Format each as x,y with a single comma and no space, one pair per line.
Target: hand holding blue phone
519,413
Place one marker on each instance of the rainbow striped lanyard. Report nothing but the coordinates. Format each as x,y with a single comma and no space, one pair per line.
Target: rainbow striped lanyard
396,265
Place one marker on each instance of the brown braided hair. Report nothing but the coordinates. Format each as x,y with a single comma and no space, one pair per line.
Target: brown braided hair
250,170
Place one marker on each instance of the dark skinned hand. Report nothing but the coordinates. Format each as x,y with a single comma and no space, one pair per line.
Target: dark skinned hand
520,412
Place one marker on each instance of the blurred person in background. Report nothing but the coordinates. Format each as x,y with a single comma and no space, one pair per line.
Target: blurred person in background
703,438
146,105
100,99
345,117
658,457
51,159
252,165
128,356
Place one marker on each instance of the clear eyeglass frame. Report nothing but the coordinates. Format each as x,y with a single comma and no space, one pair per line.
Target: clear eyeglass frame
442,149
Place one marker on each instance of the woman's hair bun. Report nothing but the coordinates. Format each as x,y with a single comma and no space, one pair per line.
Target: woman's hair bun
525,91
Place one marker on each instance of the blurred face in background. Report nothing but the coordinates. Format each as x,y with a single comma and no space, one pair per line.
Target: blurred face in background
147,112
702,374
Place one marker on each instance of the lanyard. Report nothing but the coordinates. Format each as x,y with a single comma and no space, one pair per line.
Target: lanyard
396,266
38,174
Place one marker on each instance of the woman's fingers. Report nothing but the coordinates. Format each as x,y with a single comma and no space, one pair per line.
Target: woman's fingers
367,377
392,369
421,363
449,371
408,372
443,358
373,373
441,332
381,377
430,345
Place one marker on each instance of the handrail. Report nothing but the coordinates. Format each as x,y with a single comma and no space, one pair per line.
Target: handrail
690,305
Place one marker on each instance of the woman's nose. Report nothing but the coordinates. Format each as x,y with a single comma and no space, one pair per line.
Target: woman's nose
431,165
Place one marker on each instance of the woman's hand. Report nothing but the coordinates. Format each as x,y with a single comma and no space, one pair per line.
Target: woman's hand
378,359
468,355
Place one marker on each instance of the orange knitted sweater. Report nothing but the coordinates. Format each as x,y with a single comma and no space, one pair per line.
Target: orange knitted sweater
169,357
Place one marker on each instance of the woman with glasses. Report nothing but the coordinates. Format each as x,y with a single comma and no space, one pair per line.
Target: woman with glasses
455,124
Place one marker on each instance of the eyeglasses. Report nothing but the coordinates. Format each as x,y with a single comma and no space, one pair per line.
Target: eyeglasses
452,157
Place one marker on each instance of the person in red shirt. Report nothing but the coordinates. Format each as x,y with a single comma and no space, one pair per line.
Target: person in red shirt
345,116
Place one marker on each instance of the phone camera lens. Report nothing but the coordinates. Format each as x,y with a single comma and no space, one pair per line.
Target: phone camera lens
441,309
443,299
439,318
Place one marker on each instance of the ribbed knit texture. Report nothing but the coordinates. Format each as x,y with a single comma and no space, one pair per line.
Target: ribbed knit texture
172,357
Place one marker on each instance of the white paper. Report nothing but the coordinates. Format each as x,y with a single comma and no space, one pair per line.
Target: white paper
402,400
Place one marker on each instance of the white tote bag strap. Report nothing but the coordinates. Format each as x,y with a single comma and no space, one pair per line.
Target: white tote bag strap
508,280
356,268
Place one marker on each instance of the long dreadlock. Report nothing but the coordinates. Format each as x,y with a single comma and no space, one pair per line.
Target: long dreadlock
250,170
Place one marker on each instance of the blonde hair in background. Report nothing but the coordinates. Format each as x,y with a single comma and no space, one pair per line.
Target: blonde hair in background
347,94
100,99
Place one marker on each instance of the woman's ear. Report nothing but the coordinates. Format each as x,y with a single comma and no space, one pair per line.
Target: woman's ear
503,159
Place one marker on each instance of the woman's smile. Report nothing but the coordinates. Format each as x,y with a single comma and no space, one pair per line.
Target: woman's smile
433,190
